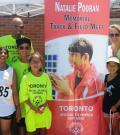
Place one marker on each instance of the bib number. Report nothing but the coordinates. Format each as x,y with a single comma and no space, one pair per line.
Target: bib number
4,91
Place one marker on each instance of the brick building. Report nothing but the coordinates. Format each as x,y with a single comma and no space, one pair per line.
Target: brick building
34,29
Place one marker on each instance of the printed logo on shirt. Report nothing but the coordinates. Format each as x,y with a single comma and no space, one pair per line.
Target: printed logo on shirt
11,47
109,90
37,85
37,101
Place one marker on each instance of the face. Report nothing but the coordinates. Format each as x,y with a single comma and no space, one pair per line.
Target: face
35,64
24,50
75,59
3,55
18,28
112,67
114,35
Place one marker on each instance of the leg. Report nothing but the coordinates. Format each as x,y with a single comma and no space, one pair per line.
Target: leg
22,127
22,131
107,121
32,133
43,131
5,126
115,127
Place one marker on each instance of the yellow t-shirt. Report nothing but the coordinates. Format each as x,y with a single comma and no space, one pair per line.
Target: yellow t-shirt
21,69
9,42
37,90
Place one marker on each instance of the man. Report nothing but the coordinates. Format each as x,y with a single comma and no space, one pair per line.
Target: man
21,67
9,41
84,80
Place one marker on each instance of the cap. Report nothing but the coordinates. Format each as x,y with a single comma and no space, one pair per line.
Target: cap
113,59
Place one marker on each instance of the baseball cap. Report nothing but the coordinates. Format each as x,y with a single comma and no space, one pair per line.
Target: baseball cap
113,59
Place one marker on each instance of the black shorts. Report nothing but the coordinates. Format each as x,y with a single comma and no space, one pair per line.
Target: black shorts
21,123
8,117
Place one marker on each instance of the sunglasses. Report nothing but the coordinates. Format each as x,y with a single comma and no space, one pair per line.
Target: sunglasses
19,26
24,48
114,35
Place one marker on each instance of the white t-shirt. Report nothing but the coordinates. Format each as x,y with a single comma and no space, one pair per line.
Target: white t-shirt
7,106
110,53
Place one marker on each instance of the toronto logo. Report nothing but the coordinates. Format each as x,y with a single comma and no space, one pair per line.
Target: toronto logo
76,128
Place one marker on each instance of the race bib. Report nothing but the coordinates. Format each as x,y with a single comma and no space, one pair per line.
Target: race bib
5,92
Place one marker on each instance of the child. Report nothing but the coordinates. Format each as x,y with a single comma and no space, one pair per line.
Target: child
35,92
8,94
21,68
112,93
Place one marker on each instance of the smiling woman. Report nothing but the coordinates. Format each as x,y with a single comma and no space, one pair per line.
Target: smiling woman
114,34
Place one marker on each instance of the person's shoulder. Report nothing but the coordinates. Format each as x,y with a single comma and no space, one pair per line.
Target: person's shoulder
5,36
16,63
27,76
45,74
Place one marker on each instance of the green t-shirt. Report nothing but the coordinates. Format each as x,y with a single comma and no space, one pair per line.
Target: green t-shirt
9,42
37,89
21,69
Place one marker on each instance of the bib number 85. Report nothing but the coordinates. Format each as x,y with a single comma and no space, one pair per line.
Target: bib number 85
4,91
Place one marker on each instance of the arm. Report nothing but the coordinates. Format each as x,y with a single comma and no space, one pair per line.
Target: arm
15,96
38,110
114,107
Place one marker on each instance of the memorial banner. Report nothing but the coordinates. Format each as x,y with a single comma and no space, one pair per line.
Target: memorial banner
76,39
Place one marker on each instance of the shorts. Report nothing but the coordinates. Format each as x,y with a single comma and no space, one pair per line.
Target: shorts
21,123
114,115
8,117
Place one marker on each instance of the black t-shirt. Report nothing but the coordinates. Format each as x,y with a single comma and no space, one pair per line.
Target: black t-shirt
112,93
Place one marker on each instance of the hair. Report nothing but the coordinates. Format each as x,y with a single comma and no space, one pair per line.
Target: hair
115,26
40,57
23,40
81,46
6,50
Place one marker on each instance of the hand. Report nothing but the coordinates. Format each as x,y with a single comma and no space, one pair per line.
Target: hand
61,84
113,108
41,109
18,114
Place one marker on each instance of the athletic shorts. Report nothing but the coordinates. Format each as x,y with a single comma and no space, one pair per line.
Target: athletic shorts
8,117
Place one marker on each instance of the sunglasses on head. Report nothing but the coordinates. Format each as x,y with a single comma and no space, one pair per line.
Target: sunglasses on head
24,48
114,35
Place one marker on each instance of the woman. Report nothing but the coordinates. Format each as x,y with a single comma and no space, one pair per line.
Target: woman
114,34
8,94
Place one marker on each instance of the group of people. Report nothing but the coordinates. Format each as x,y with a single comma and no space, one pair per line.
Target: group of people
25,88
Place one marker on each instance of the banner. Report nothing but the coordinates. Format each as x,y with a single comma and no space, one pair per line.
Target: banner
76,39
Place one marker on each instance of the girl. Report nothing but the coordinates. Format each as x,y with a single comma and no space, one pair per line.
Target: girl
112,93
8,94
35,92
